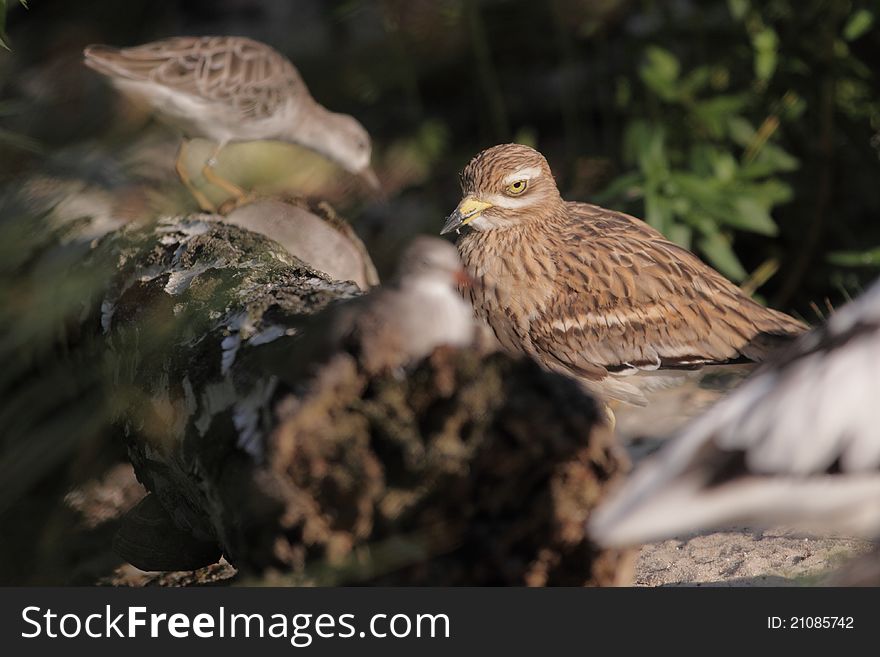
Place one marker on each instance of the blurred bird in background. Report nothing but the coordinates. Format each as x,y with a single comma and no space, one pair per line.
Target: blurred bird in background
419,311
799,443
395,325
231,89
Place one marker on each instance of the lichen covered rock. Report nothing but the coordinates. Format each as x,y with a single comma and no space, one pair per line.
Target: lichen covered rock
469,468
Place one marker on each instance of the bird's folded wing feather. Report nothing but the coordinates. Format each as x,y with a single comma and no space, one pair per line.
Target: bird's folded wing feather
244,73
797,440
632,300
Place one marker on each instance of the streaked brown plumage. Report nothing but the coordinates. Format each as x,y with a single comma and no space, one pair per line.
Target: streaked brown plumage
228,88
252,80
595,293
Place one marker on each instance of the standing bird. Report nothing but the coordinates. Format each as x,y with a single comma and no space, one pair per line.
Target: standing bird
231,89
593,293
798,443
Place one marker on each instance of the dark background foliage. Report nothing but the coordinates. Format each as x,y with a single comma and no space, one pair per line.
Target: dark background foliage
748,131
745,130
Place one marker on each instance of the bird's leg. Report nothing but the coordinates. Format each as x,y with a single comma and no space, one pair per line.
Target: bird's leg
610,418
237,193
180,166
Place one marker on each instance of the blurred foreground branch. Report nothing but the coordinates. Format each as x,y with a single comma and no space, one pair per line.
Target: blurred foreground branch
471,469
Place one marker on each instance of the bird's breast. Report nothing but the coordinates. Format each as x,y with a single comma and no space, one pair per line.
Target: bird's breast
514,282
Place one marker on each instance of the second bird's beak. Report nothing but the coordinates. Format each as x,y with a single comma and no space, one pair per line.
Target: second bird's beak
371,179
468,210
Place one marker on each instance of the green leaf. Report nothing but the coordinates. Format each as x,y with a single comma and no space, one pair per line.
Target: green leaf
793,105
751,214
658,212
725,166
766,45
840,48
772,191
660,72
622,92
738,8
702,223
695,81
715,113
859,23
718,251
741,131
769,160
701,159
635,135
681,235
526,135
869,258
627,186
778,158
707,193
645,145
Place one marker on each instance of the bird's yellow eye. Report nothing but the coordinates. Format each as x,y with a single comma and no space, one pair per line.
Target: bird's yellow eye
517,187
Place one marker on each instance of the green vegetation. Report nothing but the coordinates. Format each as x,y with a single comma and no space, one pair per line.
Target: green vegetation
747,131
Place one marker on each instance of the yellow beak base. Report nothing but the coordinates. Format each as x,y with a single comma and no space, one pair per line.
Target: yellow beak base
468,210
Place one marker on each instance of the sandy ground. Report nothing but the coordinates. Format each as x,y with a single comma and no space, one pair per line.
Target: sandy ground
743,557
735,557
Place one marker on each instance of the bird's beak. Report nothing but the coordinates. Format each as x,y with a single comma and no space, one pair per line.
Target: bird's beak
468,210
371,179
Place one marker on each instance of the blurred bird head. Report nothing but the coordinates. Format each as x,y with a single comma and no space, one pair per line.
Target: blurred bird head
345,141
432,261
502,186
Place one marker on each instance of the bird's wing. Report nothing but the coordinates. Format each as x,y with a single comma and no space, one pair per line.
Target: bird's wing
244,73
632,300
798,443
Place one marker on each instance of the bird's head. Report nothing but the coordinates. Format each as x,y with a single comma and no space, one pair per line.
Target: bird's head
433,261
345,141
502,186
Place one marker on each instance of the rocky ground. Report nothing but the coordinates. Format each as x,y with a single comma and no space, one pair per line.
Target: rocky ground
733,557
743,557
729,558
